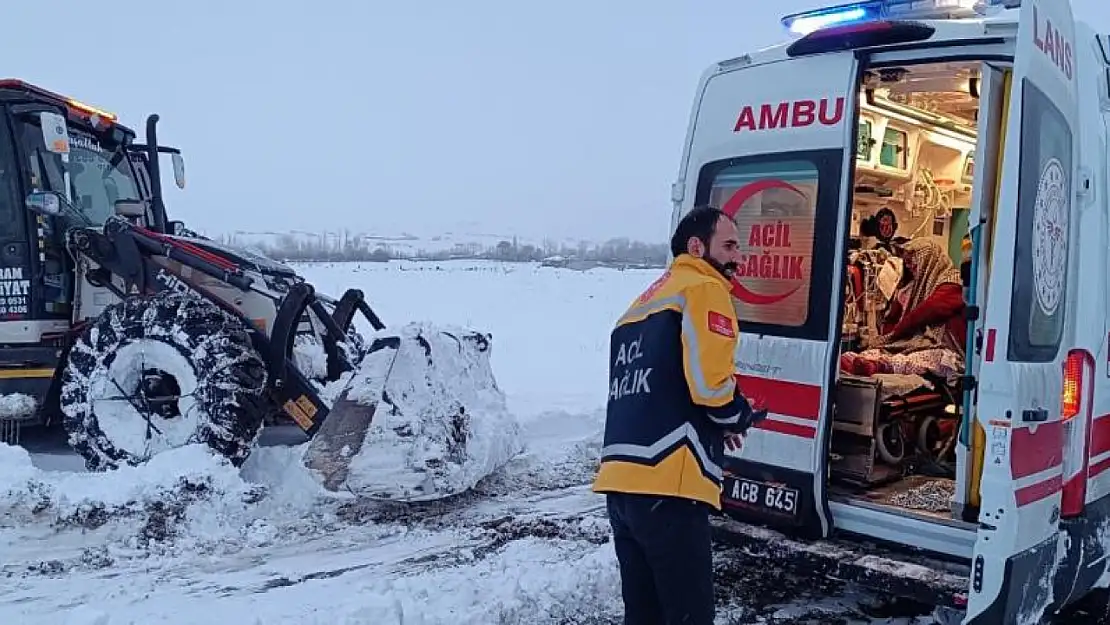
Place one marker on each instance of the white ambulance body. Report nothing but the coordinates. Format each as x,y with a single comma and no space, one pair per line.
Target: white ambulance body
957,119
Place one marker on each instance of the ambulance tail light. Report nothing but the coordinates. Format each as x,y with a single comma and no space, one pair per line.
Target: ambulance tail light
1071,397
1077,405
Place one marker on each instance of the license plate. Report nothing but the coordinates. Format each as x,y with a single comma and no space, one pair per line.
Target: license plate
760,496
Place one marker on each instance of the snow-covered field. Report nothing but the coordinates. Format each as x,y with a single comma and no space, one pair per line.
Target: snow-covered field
187,539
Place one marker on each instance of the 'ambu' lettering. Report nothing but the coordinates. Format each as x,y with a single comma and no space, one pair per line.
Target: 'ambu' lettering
797,114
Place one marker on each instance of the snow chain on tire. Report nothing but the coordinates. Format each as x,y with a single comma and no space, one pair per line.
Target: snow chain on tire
228,403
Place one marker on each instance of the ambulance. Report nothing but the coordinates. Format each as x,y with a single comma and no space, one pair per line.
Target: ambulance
972,474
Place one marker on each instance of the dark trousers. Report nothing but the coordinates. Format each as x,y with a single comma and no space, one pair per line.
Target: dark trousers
663,547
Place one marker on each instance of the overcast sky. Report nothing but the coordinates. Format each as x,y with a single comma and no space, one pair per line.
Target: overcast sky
540,117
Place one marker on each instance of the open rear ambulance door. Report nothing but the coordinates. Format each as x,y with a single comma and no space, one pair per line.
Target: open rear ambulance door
771,144
1026,338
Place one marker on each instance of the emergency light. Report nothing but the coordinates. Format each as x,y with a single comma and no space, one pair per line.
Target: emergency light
865,11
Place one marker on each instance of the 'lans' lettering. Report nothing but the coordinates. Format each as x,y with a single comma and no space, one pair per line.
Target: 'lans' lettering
1053,43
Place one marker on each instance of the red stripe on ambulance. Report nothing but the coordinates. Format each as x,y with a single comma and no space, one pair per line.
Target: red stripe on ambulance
1098,468
1100,444
1035,451
1100,435
1038,491
789,429
789,399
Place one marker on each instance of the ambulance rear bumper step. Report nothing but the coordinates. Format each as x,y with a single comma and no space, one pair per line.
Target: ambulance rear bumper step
920,578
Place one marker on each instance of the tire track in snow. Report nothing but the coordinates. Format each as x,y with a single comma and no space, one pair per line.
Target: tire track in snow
539,505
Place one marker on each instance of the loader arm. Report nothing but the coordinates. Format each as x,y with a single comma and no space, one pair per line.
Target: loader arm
149,262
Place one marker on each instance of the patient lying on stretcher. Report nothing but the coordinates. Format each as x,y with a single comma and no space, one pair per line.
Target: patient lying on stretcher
924,330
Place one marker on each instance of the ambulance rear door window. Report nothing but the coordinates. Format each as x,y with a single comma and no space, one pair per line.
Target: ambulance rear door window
1044,209
785,207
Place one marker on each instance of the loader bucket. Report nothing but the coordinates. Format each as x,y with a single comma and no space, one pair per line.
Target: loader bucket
420,418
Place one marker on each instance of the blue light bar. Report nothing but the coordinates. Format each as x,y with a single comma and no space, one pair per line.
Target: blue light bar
806,22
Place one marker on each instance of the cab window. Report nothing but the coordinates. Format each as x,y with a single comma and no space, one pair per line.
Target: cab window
780,203
99,173
12,211
1040,283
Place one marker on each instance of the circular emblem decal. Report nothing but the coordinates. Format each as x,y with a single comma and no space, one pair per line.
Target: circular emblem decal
1050,236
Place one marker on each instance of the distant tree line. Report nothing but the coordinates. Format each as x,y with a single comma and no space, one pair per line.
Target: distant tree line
618,251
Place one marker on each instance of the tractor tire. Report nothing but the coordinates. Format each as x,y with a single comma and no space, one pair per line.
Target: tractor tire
160,372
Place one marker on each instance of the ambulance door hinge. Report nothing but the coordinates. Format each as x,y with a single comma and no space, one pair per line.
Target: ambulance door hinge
968,383
978,568
971,313
1086,182
678,191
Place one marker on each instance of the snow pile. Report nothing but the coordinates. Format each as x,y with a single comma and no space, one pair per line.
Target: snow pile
309,357
186,502
167,504
179,476
563,450
17,406
441,423
18,472
280,502
538,581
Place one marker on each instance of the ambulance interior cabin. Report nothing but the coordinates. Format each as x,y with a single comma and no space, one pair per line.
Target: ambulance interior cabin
899,397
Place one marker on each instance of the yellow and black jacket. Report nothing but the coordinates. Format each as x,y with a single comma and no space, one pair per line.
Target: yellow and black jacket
672,394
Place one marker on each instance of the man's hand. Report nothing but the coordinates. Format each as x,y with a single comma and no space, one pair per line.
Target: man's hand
759,410
734,440
759,406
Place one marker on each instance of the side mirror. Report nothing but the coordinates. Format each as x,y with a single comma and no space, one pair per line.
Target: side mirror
178,170
177,228
45,203
130,208
55,136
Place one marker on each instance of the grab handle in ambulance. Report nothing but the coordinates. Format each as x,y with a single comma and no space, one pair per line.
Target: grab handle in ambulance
1034,415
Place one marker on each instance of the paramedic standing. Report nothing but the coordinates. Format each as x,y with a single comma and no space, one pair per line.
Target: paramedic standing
673,406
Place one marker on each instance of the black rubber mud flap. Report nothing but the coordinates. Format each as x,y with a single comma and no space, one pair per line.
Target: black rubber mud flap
342,435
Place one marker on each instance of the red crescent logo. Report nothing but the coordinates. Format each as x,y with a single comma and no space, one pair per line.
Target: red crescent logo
731,207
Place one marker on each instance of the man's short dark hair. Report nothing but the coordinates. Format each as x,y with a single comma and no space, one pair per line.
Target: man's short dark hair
700,222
